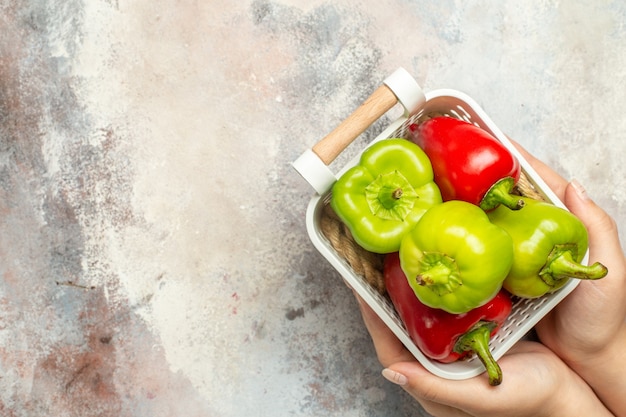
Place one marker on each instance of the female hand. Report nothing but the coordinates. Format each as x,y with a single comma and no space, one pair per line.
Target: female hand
587,329
536,382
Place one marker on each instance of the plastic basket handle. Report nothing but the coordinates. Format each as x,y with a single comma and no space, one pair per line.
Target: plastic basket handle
398,87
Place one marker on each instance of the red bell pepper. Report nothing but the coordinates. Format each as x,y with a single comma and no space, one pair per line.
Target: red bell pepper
443,336
469,164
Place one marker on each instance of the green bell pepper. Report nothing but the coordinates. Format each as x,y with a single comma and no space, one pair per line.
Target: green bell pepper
549,243
455,259
382,197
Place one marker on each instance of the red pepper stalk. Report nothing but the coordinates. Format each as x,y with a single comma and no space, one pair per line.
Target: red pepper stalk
443,336
469,164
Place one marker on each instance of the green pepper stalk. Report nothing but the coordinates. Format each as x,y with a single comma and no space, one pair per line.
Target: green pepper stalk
549,243
455,259
382,197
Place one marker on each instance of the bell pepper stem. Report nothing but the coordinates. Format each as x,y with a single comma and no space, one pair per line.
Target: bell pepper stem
500,193
440,273
561,264
477,340
390,196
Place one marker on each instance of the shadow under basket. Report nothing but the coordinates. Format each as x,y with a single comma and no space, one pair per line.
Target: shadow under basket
362,270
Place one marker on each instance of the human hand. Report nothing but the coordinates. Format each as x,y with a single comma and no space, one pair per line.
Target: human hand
588,328
593,314
536,382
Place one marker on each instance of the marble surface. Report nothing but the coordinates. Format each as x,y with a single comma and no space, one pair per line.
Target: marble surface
154,259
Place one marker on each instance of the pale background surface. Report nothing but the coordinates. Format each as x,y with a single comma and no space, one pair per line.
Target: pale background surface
153,252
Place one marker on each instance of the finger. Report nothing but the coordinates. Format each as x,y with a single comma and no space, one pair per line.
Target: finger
436,392
555,181
468,396
604,244
389,348
602,229
429,402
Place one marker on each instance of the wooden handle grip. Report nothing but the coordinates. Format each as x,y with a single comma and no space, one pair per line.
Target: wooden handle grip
367,113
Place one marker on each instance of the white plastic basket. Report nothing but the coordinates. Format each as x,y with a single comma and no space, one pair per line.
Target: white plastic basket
313,166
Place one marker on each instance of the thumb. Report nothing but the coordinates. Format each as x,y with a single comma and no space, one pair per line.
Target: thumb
604,245
427,387
438,397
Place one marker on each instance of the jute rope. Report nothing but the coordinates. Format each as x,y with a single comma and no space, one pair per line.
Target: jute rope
370,265
364,263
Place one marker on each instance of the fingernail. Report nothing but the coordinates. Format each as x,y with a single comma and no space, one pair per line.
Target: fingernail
580,190
395,377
